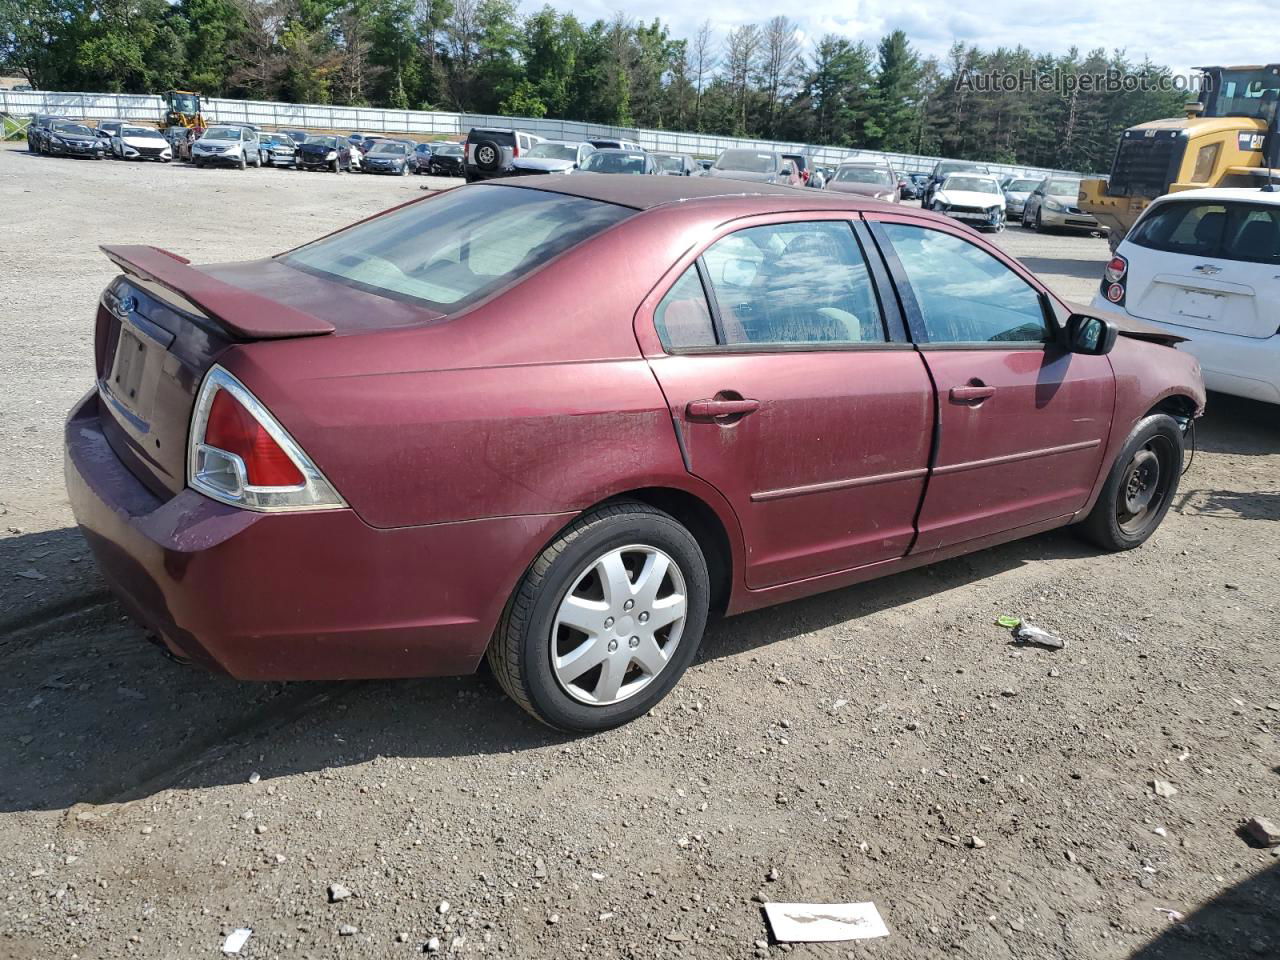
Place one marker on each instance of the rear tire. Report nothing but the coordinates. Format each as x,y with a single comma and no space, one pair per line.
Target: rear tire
1139,488
534,650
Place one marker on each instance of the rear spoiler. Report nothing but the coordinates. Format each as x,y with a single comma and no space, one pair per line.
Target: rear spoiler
245,315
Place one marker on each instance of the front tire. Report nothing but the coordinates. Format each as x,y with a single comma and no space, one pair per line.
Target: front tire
1139,488
605,621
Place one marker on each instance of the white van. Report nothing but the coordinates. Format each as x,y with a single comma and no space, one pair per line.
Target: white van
1205,264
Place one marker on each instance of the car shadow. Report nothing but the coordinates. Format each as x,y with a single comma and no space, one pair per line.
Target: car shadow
1242,921
1240,426
96,714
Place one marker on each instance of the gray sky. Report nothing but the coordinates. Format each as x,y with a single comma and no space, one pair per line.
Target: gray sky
1239,33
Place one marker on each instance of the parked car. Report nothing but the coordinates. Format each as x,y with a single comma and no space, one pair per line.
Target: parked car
323,152
801,163
422,158
132,142
1016,192
490,152
66,139
37,128
913,186
388,156
866,179
353,399
227,145
1053,204
705,164
552,156
609,160
277,149
297,136
677,165
760,166
107,129
447,160
611,143
943,169
1205,265
974,198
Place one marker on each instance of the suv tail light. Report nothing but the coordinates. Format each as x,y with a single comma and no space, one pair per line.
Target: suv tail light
239,454
515,147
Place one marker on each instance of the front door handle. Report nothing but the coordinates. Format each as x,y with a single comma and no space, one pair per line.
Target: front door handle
720,409
973,392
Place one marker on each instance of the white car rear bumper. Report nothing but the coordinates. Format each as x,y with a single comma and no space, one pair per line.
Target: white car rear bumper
1241,366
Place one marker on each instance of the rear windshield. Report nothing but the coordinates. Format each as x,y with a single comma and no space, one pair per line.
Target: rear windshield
504,137
609,162
457,247
748,161
669,162
874,175
1229,231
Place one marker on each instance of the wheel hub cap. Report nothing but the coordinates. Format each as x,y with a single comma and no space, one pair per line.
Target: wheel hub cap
618,625
1142,483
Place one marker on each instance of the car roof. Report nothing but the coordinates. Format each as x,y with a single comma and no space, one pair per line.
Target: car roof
644,193
1246,194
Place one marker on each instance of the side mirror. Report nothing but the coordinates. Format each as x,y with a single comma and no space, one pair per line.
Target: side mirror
1093,336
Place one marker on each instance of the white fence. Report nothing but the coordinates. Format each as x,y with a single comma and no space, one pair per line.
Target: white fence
124,106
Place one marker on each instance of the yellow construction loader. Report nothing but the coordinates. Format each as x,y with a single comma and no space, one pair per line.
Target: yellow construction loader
1230,137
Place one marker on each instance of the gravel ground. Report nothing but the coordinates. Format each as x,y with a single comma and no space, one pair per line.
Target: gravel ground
848,747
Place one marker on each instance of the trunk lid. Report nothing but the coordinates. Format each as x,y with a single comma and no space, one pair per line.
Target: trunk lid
160,327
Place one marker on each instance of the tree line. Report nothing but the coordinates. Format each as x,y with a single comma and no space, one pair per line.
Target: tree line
485,56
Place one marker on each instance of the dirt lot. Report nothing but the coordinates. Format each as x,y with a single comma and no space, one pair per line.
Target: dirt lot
843,748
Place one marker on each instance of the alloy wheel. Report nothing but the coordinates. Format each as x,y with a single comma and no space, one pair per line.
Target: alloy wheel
618,625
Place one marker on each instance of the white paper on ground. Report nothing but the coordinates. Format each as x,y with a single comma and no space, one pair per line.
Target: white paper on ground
824,922
236,939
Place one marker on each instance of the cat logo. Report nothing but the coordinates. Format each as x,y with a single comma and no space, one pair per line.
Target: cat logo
1251,141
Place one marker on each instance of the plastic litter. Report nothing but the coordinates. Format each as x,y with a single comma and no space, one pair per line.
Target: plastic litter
236,939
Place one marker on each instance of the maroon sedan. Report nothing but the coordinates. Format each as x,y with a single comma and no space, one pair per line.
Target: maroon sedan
561,423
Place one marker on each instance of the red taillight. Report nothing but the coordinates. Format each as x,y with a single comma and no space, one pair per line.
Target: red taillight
515,149
232,428
1116,269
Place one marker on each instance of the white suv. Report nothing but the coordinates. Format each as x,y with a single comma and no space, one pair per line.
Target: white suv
1205,264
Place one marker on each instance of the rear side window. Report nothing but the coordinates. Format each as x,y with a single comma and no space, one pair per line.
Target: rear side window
794,283
966,295
458,247
683,318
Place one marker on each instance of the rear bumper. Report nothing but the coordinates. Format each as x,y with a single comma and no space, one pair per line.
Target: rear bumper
294,596
1241,366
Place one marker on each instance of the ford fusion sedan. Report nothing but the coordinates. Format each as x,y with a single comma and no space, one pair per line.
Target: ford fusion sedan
1205,265
65,139
867,180
1053,205
558,422
975,198
140,143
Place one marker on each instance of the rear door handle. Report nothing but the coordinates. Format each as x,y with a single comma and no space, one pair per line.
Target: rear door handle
972,393
720,409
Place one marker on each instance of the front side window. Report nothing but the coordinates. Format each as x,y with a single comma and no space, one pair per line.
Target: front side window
457,247
966,295
794,283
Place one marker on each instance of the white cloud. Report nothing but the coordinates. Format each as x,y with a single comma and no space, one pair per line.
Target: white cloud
1153,28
